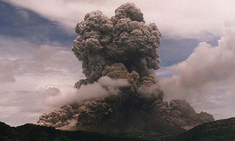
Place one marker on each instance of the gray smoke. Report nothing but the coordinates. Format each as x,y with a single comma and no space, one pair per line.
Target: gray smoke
121,48
180,113
125,38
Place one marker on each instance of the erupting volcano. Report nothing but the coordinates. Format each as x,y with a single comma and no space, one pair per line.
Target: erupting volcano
120,55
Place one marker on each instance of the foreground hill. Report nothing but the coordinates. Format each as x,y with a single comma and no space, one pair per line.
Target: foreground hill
30,132
221,130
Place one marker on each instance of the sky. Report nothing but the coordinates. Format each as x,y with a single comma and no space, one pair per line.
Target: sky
38,69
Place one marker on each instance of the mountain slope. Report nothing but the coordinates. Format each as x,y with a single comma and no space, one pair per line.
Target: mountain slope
30,132
221,130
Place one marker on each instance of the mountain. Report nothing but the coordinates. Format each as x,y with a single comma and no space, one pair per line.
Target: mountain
120,93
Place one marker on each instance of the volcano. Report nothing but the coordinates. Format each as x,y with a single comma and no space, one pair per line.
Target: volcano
120,55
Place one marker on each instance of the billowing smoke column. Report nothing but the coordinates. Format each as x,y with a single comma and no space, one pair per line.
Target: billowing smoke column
122,42
123,47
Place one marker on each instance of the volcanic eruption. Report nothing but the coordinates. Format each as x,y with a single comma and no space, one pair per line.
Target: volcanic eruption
121,53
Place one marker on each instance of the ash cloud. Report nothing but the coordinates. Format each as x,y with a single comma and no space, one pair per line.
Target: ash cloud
119,56
124,38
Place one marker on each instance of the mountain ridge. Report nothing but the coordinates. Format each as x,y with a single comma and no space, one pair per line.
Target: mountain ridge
220,130
29,132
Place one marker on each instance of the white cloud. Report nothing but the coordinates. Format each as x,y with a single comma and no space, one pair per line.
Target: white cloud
15,48
166,71
207,77
7,72
185,19
57,96
12,106
29,67
26,71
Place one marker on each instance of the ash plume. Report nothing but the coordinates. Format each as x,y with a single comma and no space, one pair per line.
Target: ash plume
119,48
124,38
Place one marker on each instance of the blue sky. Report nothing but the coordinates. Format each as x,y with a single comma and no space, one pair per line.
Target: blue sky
36,62
22,23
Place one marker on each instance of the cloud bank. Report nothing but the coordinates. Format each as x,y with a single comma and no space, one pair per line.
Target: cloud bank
185,19
206,78
27,71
